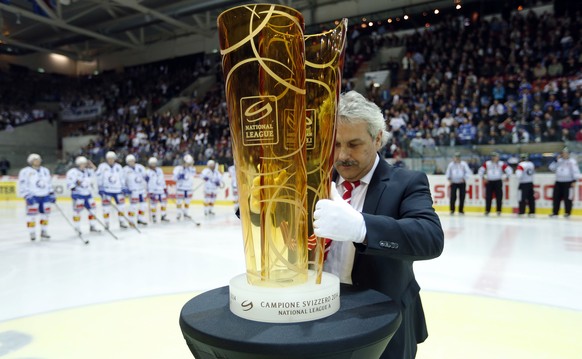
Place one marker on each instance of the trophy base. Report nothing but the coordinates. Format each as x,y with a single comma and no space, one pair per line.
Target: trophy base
300,303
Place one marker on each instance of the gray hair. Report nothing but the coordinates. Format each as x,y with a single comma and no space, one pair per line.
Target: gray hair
355,108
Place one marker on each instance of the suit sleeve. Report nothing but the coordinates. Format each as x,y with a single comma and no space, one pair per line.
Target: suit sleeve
415,235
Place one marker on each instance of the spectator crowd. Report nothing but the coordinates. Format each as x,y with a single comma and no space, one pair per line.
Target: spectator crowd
462,81
485,82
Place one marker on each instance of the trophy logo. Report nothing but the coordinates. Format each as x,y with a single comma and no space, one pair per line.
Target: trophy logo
259,120
310,129
246,305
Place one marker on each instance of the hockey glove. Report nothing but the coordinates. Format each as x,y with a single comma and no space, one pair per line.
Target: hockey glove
29,200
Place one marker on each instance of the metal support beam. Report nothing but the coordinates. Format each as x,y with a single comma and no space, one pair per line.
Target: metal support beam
63,25
132,37
24,45
154,13
50,13
80,14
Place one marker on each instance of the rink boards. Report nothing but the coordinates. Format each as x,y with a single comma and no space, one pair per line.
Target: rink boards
440,188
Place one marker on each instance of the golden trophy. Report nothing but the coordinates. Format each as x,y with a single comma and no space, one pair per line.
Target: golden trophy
282,129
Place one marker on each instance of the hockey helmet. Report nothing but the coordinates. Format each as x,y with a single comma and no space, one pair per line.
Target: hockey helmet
33,157
189,159
81,160
129,159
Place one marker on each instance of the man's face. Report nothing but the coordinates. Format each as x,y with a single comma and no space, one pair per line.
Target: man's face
111,161
36,163
355,150
457,159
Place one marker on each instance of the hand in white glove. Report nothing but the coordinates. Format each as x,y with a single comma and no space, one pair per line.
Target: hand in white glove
337,220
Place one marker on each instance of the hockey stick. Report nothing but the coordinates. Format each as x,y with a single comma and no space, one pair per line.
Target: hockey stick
124,216
200,185
102,224
79,234
192,220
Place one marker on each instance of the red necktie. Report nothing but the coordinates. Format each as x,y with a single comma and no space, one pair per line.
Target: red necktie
347,196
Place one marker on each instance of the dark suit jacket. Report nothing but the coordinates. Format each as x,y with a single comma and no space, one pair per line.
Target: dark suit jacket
401,227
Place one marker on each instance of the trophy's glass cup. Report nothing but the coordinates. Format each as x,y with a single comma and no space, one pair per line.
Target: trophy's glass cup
263,55
324,63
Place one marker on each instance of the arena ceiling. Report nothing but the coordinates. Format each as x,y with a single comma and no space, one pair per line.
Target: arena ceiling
83,29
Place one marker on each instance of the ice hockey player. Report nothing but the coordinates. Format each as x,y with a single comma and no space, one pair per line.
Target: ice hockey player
80,181
567,173
35,186
157,191
110,182
184,177
135,183
233,186
525,172
212,181
492,172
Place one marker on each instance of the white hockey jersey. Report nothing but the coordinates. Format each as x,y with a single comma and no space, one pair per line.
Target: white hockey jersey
135,178
458,172
80,182
156,182
34,182
110,178
494,170
566,170
184,177
525,172
212,179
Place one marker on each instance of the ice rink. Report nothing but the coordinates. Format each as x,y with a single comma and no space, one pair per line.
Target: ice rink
504,287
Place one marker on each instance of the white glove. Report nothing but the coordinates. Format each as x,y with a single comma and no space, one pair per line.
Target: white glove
337,220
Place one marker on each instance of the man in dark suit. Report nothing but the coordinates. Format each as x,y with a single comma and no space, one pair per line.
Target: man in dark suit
380,219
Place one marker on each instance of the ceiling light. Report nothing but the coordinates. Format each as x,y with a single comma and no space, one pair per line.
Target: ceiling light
405,17
436,11
458,7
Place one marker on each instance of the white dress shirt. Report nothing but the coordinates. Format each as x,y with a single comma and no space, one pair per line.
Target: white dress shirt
340,258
